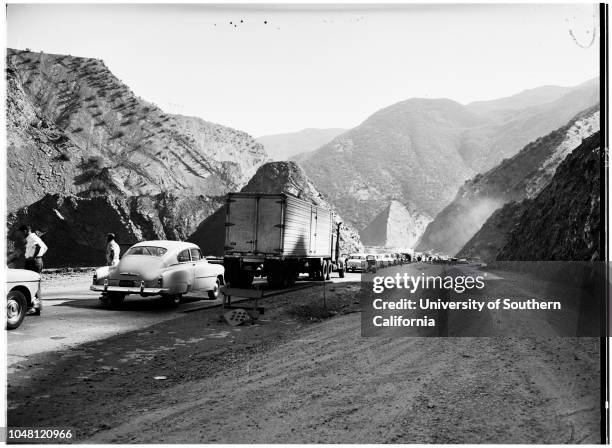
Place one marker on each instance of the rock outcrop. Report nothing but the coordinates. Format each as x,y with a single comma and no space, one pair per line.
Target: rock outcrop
395,227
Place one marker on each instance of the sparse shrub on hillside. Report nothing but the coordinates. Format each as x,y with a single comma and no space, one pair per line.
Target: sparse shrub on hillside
64,156
92,162
77,130
117,134
98,186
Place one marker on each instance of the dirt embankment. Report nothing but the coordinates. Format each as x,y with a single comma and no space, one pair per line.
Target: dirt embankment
285,380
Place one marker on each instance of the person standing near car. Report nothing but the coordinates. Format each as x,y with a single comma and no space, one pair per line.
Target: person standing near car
112,250
34,250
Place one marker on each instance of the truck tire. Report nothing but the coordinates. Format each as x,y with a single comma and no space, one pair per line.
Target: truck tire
325,270
341,273
328,270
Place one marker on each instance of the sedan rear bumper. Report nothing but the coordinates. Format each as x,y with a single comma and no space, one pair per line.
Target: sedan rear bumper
129,290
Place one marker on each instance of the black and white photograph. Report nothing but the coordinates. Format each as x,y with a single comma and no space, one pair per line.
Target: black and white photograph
305,223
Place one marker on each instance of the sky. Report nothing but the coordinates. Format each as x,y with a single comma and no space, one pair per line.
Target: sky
268,69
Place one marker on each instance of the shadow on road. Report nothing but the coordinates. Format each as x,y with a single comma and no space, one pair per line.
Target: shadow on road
132,304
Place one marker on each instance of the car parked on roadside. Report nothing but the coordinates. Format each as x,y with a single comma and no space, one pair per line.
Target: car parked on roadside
153,268
386,260
372,263
23,288
356,262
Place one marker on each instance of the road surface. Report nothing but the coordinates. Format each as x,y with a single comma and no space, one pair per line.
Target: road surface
304,374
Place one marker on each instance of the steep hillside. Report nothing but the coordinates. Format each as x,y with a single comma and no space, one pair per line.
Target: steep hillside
82,145
274,177
563,221
525,125
284,146
420,151
70,118
493,235
406,152
522,176
395,226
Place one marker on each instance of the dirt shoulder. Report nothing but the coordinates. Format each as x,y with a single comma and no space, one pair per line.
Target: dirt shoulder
295,380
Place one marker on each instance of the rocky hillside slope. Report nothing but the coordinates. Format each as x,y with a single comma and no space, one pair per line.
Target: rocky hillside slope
86,156
563,221
420,151
69,119
273,178
395,227
285,146
521,176
493,235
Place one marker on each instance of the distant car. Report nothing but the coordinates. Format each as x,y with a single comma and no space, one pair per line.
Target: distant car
386,260
23,289
166,268
372,263
356,262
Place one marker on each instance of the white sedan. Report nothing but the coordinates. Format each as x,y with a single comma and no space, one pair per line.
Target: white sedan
23,293
166,268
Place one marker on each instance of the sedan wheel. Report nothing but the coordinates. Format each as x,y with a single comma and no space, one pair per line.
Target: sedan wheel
174,300
16,308
214,293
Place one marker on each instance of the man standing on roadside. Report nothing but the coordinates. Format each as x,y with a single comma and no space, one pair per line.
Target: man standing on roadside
34,250
112,250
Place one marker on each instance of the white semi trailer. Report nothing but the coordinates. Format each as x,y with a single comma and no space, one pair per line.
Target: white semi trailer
278,236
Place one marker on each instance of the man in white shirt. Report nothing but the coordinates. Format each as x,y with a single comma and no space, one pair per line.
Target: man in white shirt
112,250
34,250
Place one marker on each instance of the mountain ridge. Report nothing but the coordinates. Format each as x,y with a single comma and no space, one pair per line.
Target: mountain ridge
420,151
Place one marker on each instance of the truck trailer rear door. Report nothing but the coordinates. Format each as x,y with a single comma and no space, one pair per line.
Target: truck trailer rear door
269,223
240,224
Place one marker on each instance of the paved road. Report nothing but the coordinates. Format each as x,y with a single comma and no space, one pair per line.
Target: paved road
72,315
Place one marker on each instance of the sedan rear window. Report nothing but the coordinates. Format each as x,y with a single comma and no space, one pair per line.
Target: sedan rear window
153,251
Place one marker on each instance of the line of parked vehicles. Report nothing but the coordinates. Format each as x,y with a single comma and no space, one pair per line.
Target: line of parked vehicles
373,262
273,236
